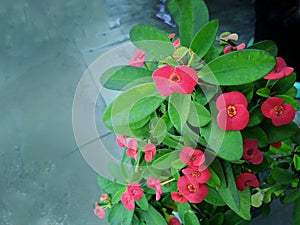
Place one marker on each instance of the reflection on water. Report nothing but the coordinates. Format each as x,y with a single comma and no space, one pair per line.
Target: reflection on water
45,48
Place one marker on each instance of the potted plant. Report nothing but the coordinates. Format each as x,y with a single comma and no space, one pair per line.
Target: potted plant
206,125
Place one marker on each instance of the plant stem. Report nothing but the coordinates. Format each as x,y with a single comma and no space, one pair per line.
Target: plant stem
168,181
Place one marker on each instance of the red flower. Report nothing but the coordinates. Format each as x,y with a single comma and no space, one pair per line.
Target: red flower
276,144
128,201
174,221
192,157
192,191
121,140
132,149
233,113
251,152
281,113
230,48
156,185
176,43
181,79
103,197
196,175
281,70
135,191
99,211
138,58
171,36
178,197
150,151
245,180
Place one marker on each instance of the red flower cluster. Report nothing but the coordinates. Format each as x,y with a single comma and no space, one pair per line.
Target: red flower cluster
191,185
251,152
279,112
233,113
134,192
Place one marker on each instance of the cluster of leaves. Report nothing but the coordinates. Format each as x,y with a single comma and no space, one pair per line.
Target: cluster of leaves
172,122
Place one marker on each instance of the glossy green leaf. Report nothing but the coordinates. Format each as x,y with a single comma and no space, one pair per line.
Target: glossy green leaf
178,109
256,133
282,176
239,67
217,219
152,216
132,106
256,116
284,84
292,196
213,197
152,40
143,203
245,204
121,77
278,133
117,196
165,162
119,215
214,180
190,16
190,217
183,208
267,45
264,92
226,144
296,161
199,116
205,38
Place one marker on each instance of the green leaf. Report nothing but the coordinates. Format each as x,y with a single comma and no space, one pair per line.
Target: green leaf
245,204
282,176
179,108
256,133
108,186
119,215
292,196
264,92
231,218
143,203
284,84
152,40
296,161
256,116
190,16
205,38
152,216
183,208
121,77
190,218
118,194
177,164
199,116
239,67
257,199
213,197
226,144
296,214
230,194
165,162
132,106
158,129
214,180
267,45
217,219
278,133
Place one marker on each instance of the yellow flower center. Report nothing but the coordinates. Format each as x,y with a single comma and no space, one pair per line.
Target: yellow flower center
278,109
196,174
191,188
231,111
175,78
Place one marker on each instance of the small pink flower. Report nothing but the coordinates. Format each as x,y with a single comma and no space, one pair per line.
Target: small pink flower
181,79
251,152
132,149
99,211
192,157
138,58
128,201
245,180
192,191
171,36
174,221
279,112
281,70
196,175
121,140
176,44
150,151
156,185
233,113
230,48
103,197
178,197
135,191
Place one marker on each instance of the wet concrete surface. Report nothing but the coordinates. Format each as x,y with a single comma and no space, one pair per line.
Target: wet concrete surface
45,48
